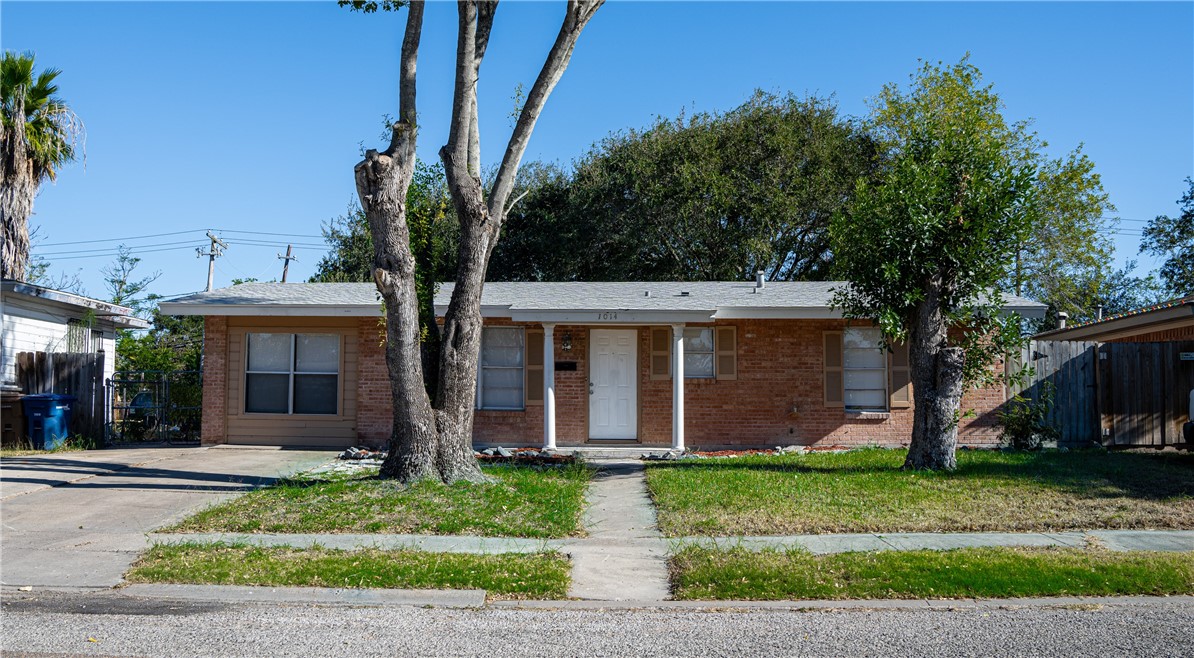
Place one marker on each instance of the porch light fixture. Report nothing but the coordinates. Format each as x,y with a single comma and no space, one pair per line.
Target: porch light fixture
566,342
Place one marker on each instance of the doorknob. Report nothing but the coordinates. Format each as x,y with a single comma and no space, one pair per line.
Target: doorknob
590,388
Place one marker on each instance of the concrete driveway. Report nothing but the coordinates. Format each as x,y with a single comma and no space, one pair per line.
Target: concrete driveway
78,520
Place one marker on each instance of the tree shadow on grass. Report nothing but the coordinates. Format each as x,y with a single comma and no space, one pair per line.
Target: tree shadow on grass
1084,474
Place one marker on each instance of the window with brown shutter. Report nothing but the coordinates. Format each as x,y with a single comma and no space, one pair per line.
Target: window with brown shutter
727,352
661,353
832,372
534,371
901,376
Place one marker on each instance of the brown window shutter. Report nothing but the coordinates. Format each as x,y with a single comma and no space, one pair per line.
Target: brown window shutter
901,376
661,353
726,344
834,396
534,369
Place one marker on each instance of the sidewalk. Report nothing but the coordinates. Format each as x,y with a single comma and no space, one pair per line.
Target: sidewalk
624,557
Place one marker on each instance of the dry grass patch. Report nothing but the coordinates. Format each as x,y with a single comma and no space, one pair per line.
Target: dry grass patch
510,576
738,574
523,501
865,491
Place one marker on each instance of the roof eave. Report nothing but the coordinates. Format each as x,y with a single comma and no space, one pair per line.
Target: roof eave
1121,327
271,310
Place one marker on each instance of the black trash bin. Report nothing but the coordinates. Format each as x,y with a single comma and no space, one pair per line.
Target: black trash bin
47,419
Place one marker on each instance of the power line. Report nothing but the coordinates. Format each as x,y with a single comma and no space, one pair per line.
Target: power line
109,255
137,237
163,235
285,235
117,250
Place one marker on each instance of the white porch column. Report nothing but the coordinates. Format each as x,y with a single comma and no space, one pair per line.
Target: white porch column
549,387
677,387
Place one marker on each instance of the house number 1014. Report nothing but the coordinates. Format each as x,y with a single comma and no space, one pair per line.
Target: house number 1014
608,315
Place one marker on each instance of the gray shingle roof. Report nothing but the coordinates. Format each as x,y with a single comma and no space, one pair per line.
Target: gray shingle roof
705,296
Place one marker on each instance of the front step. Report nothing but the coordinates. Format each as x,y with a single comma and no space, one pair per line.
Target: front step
592,452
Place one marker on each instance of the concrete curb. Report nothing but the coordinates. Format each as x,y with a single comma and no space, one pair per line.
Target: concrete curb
474,598
845,605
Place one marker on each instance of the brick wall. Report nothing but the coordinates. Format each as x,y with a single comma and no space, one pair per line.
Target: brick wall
777,398
214,427
375,416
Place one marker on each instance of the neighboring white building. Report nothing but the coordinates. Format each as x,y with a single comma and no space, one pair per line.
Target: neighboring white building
38,319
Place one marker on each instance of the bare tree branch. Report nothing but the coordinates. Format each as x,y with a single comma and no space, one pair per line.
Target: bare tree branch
465,91
577,16
410,56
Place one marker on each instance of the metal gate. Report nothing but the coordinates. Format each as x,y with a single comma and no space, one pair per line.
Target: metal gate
154,406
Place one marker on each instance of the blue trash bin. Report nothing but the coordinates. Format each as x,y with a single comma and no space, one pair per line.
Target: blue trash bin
47,419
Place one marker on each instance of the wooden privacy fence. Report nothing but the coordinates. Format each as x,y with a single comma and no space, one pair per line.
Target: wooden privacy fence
1144,392
1069,369
1123,394
80,375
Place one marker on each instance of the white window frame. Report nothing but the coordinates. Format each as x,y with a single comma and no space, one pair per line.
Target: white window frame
712,352
847,369
292,372
481,368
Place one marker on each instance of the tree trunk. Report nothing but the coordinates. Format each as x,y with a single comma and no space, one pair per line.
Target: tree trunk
433,438
936,387
382,181
17,190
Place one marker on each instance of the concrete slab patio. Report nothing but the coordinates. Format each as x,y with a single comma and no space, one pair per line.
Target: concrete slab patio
78,520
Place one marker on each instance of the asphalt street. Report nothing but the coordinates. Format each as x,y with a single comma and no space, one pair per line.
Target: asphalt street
49,623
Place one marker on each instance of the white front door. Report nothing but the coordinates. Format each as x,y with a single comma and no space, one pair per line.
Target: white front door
613,384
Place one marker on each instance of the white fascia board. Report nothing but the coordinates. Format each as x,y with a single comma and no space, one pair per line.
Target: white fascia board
272,310
777,313
1033,312
610,316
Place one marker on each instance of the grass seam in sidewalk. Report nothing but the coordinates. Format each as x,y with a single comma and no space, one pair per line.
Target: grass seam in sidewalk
543,575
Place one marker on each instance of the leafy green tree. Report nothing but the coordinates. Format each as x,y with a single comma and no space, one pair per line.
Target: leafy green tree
1122,291
924,246
123,289
39,134
708,197
1173,239
172,343
1064,262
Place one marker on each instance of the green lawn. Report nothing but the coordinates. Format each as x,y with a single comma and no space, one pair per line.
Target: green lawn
524,501
738,574
865,491
510,576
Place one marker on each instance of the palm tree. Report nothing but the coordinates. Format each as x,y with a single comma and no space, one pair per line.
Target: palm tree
39,137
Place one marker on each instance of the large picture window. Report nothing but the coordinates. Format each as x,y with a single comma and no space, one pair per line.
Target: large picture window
864,370
292,374
500,379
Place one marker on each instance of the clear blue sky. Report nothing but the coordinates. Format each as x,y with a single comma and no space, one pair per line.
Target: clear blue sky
249,116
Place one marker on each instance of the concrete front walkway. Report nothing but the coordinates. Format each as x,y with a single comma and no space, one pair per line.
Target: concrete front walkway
79,519
624,556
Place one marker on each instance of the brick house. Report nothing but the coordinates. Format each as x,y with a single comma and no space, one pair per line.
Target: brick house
713,364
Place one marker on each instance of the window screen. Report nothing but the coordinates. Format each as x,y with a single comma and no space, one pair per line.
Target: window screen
698,353
864,370
500,379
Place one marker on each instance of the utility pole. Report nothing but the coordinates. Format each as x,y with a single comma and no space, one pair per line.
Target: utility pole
287,258
217,249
